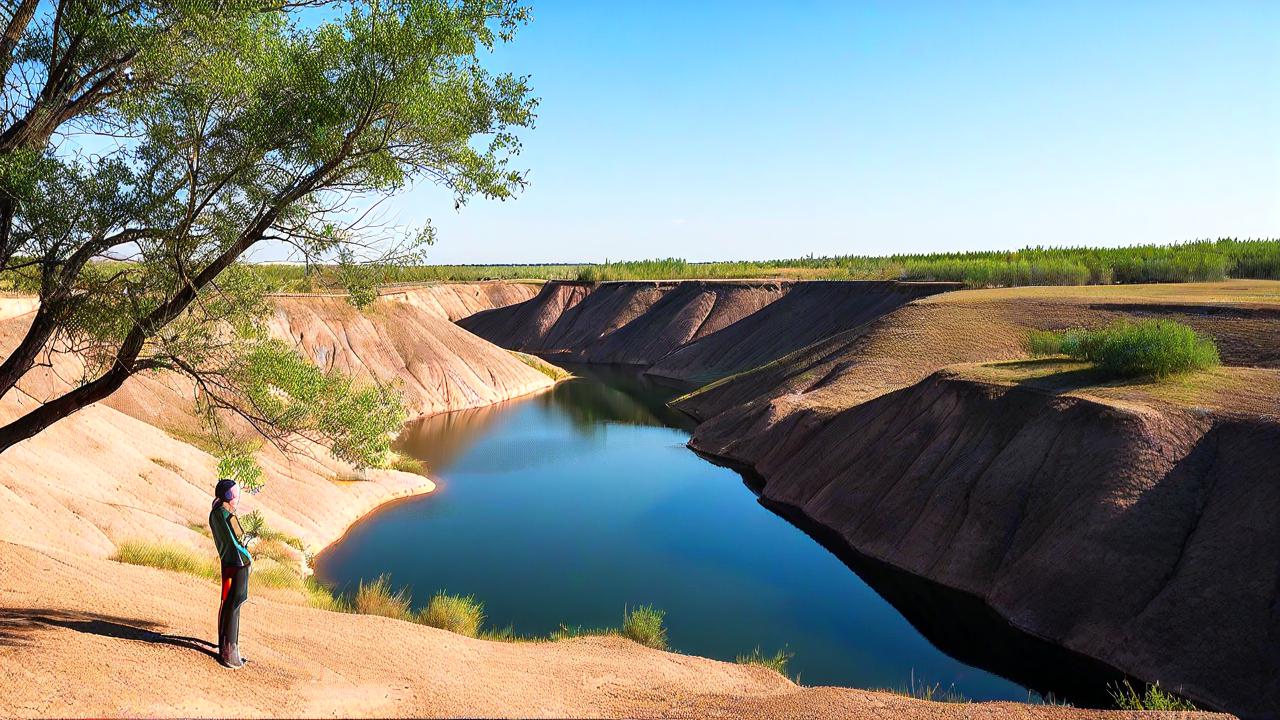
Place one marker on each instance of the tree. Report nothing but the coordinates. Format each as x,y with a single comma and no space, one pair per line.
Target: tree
146,146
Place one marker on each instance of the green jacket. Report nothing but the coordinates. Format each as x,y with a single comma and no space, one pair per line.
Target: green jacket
228,537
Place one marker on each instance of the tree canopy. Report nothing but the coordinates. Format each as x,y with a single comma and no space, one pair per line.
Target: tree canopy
145,147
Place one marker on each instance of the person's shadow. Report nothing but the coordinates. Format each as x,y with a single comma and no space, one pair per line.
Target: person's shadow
17,624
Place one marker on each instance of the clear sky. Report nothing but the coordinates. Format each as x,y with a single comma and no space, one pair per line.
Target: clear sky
750,130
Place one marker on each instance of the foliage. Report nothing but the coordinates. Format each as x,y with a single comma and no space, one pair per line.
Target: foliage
252,523
1201,260
644,625
776,662
1155,348
223,127
456,613
1154,698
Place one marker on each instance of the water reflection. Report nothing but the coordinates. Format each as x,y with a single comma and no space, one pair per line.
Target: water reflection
563,508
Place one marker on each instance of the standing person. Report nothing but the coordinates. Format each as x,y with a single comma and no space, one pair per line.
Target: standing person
229,539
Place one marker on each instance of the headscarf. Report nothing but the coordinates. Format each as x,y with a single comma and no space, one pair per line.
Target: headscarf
226,489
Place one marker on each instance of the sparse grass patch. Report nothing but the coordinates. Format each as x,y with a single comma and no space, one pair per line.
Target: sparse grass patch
1128,698
565,632
166,556
776,662
376,598
322,596
462,614
555,373
268,573
644,625
1154,348
171,467
934,692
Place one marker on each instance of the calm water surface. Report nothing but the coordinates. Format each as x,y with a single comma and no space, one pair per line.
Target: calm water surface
567,507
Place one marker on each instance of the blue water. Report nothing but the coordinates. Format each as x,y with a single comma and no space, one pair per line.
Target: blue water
569,506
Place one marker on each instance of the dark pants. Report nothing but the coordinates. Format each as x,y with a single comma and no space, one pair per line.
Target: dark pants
235,590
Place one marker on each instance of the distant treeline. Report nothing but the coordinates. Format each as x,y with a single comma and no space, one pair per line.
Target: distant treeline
1198,261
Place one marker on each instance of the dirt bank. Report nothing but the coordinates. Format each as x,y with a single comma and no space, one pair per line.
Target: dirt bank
1115,529
1114,526
691,330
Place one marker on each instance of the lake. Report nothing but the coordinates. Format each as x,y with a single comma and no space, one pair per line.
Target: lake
570,506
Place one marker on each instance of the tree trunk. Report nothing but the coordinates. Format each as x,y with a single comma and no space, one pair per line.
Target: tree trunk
47,414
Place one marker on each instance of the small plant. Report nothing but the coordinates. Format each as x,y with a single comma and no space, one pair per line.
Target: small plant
376,598
1127,698
644,625
776,662
1154,348
404,463
253,524
921,690
456,613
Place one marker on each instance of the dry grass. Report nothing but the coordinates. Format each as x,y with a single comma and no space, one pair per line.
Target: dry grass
462,614
167,556
377,598
1226,390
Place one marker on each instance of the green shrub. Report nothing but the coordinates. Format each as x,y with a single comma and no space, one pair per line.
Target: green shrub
462,614
644,625
166,556
1043,343
1127,698
1156,348
776,662
376,598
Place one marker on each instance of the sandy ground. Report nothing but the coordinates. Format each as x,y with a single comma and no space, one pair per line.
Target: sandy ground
81,636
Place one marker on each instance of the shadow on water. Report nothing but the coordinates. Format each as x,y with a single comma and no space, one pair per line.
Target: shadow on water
958,623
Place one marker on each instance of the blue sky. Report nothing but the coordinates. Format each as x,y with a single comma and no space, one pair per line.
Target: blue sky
743,130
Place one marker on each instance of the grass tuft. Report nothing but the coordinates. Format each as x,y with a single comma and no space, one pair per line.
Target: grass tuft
1148,348
644,625
776,662
462,614
377,598
1127,698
